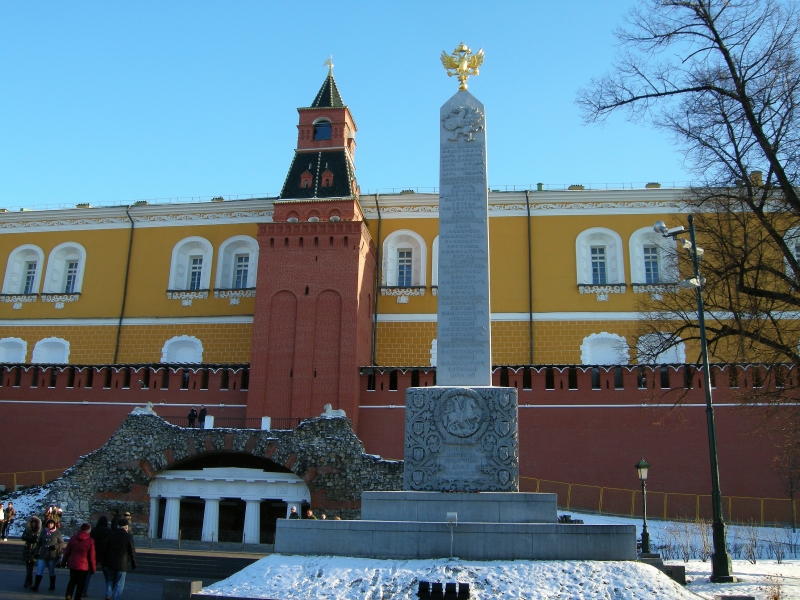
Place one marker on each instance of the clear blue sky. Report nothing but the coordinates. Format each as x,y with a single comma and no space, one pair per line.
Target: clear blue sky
118,101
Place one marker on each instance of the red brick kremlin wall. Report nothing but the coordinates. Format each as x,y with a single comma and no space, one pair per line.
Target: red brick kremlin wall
584,435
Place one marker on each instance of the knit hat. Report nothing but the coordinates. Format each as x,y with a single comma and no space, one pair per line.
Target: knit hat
85,527
123,522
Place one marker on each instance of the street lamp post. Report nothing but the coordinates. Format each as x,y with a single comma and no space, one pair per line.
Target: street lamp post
642,466
721,567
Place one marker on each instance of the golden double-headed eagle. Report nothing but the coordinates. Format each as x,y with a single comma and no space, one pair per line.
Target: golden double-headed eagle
462,63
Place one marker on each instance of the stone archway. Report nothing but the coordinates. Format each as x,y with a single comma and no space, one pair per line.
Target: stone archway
323,453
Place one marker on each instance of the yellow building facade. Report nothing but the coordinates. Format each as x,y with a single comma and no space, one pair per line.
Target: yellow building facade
177,282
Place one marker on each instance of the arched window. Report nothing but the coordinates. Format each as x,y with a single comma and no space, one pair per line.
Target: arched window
660,349
404,259
237,263
604,349
599,257
24,270
322,129
191,264
51,351
182,349
654,260
65,267
13,350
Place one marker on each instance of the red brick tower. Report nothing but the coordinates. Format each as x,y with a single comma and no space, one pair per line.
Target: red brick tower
313,313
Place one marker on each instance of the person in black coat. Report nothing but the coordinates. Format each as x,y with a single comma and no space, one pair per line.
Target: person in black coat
30,536
202,417
192,417
118,552
100,535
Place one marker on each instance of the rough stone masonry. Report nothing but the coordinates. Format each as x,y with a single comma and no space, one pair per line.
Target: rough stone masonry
323,451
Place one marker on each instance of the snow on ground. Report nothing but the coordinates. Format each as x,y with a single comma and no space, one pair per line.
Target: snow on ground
27,503
342,578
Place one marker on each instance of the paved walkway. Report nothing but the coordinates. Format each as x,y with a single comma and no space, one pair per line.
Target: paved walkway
137,587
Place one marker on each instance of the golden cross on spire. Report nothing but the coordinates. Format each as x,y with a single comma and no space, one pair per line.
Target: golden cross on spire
329,63
462,63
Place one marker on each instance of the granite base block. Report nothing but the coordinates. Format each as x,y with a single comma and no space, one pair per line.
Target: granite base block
471,541
483,507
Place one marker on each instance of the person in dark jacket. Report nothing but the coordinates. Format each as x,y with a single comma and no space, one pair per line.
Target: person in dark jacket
202,417
48,549
100,535
115,520
119,551
30,536
192,417
79,557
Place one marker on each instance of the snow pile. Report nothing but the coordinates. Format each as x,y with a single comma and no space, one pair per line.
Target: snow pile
343,578
27,503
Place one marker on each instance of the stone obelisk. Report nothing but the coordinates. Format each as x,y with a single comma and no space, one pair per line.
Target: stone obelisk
461,435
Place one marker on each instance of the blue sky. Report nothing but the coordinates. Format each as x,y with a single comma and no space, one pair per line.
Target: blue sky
112,101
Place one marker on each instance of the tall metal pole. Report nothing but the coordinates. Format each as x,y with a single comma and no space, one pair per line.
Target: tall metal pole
645,533
721,567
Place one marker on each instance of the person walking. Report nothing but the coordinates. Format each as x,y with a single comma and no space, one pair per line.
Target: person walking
119,551
2,519
79,557
48,550
99,534
202,417
192,417
11,512
30,536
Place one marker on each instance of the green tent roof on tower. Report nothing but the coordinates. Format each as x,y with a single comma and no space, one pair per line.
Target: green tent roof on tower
328,95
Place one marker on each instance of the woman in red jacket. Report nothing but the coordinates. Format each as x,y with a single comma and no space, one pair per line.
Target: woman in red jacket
79,556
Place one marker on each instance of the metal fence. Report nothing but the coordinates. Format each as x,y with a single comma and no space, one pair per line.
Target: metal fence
238,422
29,478
660,505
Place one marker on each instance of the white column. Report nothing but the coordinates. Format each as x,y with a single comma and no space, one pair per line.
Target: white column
172,519
153,532
211,520
252,522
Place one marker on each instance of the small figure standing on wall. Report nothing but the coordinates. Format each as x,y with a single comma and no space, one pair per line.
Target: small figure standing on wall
202,419
192,416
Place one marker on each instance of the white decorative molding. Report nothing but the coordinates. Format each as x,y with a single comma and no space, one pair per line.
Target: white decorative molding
656,291
235,295
60,299
226,261
404,239
434,290
17,300
52,350
614,264
402,293
13,350
605,349
602,291
186,298
182,349
55,278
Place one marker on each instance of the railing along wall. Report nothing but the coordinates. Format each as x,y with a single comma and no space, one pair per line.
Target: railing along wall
660,505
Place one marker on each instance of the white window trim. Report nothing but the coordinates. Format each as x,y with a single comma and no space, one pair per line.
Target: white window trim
38,350
226,267
615,264
790,237
181,340
679,350
15,267
588,342
179,267
667,256
404,238
55,278
17,342
435,262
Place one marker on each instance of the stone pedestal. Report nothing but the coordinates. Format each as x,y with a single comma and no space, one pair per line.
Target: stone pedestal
461,439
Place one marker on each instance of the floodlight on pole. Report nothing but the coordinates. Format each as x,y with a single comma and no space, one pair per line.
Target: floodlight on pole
721,566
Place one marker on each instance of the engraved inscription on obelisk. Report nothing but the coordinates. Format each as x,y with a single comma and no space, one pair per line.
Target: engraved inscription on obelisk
464,330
